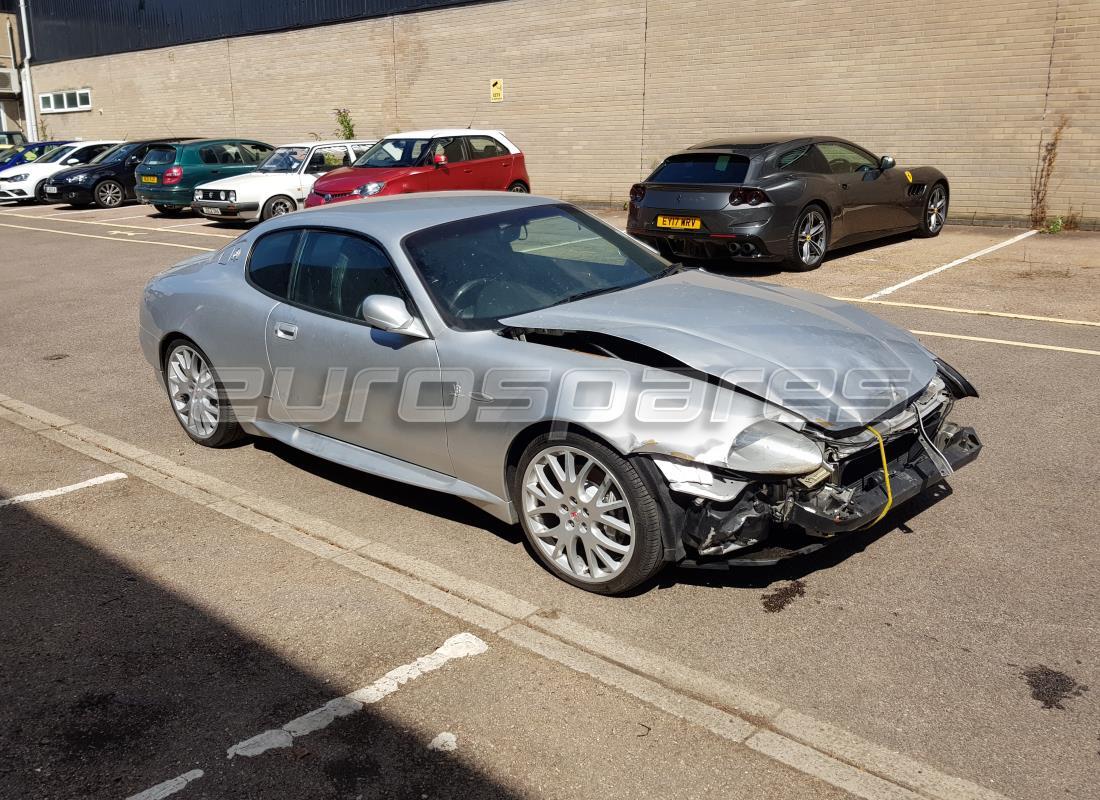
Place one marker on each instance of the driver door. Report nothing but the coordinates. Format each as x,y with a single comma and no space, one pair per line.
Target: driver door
869,194
335,375
458,172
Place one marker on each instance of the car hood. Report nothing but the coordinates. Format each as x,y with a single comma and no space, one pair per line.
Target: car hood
346,179
32,169
61,175
249,180
834,364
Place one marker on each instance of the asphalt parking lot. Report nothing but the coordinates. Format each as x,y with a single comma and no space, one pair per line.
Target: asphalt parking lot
192,599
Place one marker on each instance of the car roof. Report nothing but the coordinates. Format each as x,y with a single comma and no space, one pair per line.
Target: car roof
393,217
218,140
754,141
433,133
328,143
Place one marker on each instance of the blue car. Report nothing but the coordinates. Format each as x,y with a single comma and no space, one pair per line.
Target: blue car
26,153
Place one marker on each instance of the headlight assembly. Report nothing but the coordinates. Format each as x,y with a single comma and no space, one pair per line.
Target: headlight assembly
232,197
80,178
369,189
198,194
768,448
22,176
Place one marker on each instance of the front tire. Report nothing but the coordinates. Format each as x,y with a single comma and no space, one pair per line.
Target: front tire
108,194
588,514
808,240
519,187
934,216
40,195
277,206
198,397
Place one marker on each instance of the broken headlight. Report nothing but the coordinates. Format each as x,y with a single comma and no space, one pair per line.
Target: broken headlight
768,448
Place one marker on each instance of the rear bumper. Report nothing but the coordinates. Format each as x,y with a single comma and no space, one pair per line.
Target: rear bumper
165,197
745,234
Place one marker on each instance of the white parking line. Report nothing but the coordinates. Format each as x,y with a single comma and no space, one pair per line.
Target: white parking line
955,263
106,238
974,311
1009,342
136,227
162,790
460,646
33,496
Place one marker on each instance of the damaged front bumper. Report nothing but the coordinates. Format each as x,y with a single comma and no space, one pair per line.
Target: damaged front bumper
732,522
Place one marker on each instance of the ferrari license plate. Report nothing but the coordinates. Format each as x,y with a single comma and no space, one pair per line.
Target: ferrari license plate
148,178
679,223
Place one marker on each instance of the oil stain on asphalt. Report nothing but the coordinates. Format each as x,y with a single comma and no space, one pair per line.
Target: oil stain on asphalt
1051,687
782,597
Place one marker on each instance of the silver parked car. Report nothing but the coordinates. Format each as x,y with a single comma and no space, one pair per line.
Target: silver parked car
521,354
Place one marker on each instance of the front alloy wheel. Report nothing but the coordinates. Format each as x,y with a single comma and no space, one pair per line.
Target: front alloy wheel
197,398
109,194
278,206
588,514
935,212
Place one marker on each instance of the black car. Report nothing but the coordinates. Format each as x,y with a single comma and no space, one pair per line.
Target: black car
108,181
781,198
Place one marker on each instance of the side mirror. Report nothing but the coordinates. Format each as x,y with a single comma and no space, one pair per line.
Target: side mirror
886,162
440,160
132,161
389,313
72,160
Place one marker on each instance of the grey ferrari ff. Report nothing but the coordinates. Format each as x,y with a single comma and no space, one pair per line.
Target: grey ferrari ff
781,198
521,354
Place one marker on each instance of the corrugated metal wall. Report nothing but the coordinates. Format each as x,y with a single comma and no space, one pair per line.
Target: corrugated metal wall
67,29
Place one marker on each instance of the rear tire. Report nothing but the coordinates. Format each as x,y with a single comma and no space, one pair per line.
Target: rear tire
592,520
109,194
197,396
934,215
277,206
808,240
519,187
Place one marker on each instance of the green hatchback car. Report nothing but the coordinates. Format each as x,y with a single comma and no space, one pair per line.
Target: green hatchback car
168,175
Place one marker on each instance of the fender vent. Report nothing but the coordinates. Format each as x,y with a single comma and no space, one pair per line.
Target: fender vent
917,189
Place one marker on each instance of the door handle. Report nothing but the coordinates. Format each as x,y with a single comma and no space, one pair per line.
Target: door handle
467,171
843,186
284,330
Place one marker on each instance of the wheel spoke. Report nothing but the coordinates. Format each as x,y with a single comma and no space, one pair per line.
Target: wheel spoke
609,543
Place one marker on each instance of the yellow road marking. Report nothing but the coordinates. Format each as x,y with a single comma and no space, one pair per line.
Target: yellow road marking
118,225
1009,342
106,238
979,311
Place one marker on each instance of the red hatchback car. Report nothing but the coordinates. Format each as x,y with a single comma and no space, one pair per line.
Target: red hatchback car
427,161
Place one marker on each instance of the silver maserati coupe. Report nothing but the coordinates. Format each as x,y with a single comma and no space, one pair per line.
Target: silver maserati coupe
517,352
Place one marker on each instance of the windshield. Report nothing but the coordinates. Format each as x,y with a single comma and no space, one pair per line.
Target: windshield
394,153
702,168
481,270
285,159
56,155
116,153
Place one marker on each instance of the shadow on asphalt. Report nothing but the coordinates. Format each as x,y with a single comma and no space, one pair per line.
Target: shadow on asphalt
109,685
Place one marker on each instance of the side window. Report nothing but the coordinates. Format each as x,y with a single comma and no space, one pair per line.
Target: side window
843,159
86,154
254,152
452,148
485,147
796,159
324,159
336,272
270,262
358,150
230,154
208,154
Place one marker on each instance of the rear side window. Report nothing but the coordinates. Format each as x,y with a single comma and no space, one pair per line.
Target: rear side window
336,272
702,168
160,155
271,260
485,147
221,153
254,152
802,159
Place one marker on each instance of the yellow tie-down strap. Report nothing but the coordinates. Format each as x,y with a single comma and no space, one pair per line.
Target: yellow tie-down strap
886,475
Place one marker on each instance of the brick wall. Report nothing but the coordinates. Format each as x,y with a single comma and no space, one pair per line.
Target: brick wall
598,91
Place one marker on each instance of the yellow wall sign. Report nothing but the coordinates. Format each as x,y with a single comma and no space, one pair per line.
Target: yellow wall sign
496,90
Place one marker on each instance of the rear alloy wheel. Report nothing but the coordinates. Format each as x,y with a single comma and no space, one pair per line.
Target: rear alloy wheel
197,397
935,213
588,514
168,211
277,206
519,188
808,240
109,194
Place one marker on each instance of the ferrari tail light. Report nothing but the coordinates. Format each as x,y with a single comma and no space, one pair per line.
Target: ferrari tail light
637,193
752,197
172,176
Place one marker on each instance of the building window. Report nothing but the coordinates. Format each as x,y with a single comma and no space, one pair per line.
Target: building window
58,102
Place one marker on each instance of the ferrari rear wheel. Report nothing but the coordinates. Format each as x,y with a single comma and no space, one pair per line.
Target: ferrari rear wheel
935,212
808,240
